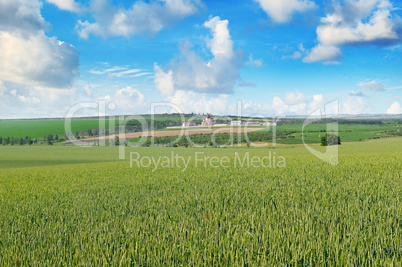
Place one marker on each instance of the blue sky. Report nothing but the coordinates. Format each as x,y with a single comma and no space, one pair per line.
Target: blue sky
276,57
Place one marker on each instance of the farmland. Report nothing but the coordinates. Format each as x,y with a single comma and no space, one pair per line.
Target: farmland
288,133
40,127
81,206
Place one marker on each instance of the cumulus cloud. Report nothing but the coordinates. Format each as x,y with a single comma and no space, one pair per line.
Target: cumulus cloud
163,81
293,102
34,68
142,17
395,108
355,22
373,86
297,103
189,101
364,21
323,53
37,60
189,71
69,5
128,100
318,102
354,105
28,100
282,11
28,56
21,16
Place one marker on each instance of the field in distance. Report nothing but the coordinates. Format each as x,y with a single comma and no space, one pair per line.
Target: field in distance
289,130
100,212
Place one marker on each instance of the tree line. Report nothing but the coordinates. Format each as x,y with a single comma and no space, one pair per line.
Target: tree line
219,139
48,139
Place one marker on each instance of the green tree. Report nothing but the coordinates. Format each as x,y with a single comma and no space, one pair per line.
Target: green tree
20,141
30,141
90,133
12,141
56,137
330,139
48,140
1,140
116,140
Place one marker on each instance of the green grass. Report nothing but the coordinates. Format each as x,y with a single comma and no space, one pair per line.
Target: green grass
106,213
347,132
39,127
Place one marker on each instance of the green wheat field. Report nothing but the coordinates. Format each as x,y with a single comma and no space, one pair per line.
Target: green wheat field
73,206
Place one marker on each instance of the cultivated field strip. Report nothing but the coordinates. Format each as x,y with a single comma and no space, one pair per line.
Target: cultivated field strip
307,214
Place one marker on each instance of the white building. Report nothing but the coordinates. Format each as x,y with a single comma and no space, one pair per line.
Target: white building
235,123
188,124
208,121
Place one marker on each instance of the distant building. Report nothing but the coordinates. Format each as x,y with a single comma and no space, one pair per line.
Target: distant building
252,123
188,124
235,123
270,124
208,121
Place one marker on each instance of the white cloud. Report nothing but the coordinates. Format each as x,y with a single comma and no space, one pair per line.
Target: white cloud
254,62
355,22
337,29
119,72
323,53
29,100
221,43
354,105
69,5
28,56
395,108
37,60
163,81
142,74
142,17
3,89
293,102
189,101
358,93
191,72
128,100
297,54
283,10
318,103
87,89
22,16
123,73
373,86
35,68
